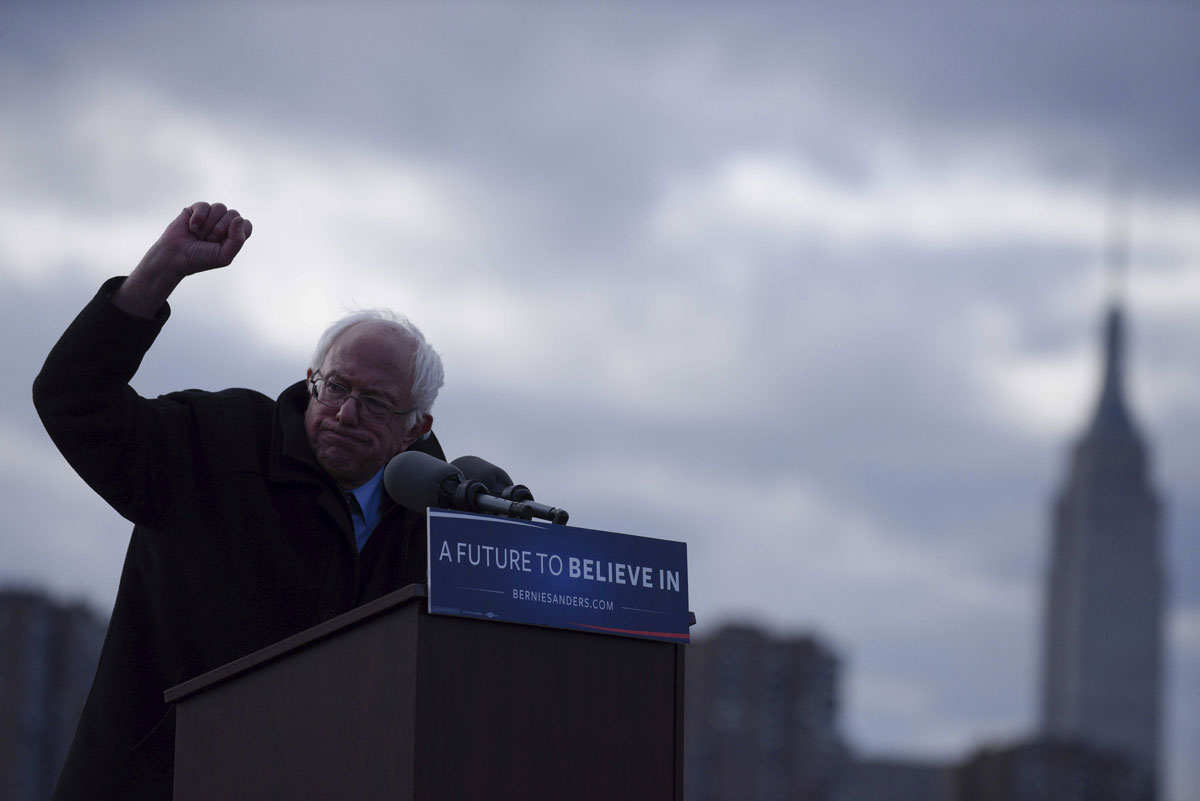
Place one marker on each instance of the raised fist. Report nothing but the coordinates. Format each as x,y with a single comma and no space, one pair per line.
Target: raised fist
202,237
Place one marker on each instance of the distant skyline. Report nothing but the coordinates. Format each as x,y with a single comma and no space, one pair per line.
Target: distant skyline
818,291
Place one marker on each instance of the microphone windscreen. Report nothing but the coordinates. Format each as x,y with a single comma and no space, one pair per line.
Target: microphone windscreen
414,479
483,471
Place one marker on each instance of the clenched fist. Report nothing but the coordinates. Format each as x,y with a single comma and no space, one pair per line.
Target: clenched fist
202,237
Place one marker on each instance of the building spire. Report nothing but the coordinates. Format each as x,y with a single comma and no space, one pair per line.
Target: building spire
1111,410
1103,636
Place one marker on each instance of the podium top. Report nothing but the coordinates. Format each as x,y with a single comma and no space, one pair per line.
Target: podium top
274,651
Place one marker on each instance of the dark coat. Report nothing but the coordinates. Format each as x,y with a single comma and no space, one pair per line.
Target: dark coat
239,539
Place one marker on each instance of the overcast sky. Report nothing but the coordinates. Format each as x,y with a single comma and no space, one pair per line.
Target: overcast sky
816,291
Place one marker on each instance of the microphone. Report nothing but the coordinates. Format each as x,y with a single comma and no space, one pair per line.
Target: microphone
498,483
417,481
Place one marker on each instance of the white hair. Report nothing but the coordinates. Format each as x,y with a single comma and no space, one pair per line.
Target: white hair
427,372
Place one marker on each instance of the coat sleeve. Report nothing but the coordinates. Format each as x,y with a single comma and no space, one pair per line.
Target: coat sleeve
137,454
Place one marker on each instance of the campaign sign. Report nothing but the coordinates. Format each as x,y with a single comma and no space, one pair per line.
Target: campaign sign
524,571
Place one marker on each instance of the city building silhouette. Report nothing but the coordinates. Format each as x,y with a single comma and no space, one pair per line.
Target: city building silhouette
1049,770
1102,648
48,654
761,719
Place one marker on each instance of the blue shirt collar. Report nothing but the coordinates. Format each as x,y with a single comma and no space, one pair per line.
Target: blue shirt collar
370,508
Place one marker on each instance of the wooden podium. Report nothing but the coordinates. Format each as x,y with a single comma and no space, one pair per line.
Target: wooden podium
389,702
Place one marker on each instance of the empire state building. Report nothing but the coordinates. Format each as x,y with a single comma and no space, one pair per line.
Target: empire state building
1103,631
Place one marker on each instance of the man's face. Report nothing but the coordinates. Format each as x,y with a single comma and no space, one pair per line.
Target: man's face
371,359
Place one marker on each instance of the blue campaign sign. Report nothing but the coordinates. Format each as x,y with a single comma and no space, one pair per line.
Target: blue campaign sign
523,571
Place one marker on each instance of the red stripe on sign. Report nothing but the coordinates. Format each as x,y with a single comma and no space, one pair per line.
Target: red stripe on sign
634,631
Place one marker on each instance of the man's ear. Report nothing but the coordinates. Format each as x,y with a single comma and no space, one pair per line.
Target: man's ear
419,430
308,374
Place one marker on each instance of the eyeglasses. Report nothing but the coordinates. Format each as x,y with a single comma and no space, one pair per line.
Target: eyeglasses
332,394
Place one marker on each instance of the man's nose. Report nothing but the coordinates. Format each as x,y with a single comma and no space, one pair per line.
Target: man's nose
348,412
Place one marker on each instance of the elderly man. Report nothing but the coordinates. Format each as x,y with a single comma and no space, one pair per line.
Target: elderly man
253,518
